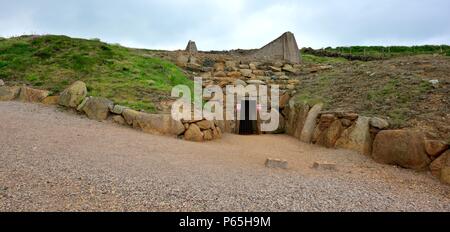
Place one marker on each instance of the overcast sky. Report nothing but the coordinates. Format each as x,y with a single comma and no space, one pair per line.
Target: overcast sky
231,24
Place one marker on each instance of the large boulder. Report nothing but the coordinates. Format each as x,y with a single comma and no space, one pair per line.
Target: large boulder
193,133
205,124
160,124
310,123
51,100
438,164
73,95
329,136
405,148
9,93
97,108
379,123
435,147
299,117
130,116
445,172
357,137
28,94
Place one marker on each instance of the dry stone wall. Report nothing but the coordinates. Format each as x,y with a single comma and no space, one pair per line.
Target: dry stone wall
370,136
100,109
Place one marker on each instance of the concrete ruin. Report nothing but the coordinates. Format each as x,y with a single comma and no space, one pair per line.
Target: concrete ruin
283,48
191,47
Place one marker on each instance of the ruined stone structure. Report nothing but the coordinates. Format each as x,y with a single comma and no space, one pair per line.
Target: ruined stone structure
284,48
191,47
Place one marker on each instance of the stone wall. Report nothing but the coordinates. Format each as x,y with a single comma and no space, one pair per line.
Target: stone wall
100,109
369,136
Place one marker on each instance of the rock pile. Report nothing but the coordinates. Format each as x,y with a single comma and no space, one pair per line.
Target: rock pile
201,130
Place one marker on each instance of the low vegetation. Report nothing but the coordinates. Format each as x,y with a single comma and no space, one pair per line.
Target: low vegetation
118,73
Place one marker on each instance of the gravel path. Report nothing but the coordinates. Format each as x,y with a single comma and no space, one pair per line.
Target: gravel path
52,160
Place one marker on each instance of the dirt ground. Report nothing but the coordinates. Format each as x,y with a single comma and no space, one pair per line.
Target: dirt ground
53,160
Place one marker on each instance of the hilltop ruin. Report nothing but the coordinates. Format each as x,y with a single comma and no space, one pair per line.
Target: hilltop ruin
191,47
283,48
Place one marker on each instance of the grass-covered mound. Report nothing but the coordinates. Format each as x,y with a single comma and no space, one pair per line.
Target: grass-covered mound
118,73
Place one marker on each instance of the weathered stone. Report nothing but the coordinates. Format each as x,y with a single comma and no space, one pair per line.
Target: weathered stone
97,108
357,137
244,66
445,175
73,95
259,72
2,83
329,137
283,48
310,123
296,119
284,100
28,94
205,124
9,93
276,163
405,148
435,147
182,60
234,74
255,82
275,69
326,120
160,124
379,123
130,116
290,87
253,66
118,109
220,74
82,104
438,164
288,68
324,166
193,133
208,135
346,122
217,132
240,82
246,72
119,120
230,64
191,47
219,66
51,100
350,116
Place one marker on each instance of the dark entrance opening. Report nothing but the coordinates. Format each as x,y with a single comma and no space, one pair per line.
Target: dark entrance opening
248,121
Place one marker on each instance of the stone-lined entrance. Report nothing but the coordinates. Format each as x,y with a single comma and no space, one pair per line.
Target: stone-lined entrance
248,118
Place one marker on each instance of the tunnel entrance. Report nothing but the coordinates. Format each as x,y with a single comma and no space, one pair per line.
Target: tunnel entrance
248,118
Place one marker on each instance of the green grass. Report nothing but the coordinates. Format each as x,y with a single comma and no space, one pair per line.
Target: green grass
309,58
391,51
118,73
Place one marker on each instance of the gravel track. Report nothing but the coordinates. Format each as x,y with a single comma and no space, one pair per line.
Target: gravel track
52,160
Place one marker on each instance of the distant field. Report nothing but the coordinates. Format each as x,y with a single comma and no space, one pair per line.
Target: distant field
379,52
111,71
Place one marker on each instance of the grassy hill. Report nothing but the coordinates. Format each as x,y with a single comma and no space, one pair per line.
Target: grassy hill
118,73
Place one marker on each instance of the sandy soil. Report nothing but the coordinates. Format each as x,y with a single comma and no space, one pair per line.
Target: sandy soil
52,160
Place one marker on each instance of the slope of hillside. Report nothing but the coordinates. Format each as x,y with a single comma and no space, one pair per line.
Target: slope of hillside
121,74
400,89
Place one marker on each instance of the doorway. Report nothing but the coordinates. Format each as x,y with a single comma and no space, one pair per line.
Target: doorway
248,119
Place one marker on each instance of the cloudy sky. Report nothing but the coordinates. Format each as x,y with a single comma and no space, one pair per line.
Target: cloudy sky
230,24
